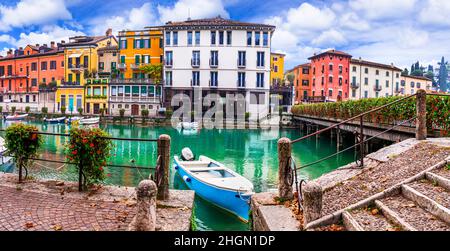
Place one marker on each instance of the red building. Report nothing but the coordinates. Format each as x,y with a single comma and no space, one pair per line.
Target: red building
330,75
24,70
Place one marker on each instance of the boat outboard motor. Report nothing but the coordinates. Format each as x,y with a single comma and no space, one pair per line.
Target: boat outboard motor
187,155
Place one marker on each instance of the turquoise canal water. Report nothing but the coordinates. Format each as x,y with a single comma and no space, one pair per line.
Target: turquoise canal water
251,153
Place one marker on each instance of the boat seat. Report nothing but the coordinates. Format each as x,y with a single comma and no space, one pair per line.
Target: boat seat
202,169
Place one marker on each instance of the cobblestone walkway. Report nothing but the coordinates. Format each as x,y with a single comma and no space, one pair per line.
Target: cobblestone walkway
24,210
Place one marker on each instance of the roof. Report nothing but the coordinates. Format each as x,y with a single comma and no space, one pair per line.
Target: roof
52,51
374,64
216,21
109,48
278,54
86,40
417,77
305,65
332,52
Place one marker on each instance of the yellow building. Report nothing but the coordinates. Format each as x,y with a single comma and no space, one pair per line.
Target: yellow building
81,64
276,68
138,48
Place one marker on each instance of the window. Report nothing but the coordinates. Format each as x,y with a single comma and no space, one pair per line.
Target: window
113,90
275,69
34,82
305,71
145,59
331,67
340,69
387,74
366,70
135,91
169,58
214,79
265,39
260,80
213,37
214,61
86,61
377,72
175,38
275,59
52,65
257,38
330,79
33,67
418,85
120,91
260,59
305,82
340,81
402,83
366,94
354,69
397,75
229,38
97,91
101,65
412,84
195,78
123,44
189,37
330,93
241,79
196,58
249,38
168,38
127,90
197,37
387,82
353,80
221,38
366,81
44,66
353,93
242,59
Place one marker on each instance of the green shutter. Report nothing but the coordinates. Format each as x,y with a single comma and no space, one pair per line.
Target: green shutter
137,59
122,59
149,43
142,43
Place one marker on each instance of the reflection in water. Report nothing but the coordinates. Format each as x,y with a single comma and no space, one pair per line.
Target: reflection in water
251,153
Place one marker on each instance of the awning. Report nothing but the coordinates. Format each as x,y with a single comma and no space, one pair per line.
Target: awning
77,55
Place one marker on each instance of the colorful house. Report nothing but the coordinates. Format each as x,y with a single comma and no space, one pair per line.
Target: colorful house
133,90
276,68
81,59
302,82
25,71
330,75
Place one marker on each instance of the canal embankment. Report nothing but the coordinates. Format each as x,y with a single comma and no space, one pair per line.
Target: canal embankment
46,205
404,186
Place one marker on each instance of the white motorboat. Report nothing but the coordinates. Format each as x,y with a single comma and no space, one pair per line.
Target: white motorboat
6,163
216,183
90,121
16,117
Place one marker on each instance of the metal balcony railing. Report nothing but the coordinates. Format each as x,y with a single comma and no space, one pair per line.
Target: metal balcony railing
377,88
354,85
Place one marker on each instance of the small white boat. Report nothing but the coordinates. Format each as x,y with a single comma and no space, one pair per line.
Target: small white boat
16,117
6,163
90,121
73,119
188,125
216,183
55,120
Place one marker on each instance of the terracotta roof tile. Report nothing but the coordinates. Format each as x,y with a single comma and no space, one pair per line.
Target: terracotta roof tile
333,52
217,21
374,64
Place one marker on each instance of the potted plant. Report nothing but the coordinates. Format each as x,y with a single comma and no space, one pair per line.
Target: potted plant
144,114
44,110
27,109
80,110
63,110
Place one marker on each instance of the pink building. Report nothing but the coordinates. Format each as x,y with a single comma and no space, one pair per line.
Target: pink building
330,75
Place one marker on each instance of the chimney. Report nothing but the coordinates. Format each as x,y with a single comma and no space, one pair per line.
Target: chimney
9,53
63,42
45,45
52,44
20,48
37,45
109,32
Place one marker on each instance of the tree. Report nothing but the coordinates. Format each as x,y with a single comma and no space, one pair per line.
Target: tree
80,110
443,75
154,71
405,72
27,109
144,114
44,110
290,77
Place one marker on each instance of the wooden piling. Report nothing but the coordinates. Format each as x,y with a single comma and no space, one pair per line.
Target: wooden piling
421,110
164,154
285,174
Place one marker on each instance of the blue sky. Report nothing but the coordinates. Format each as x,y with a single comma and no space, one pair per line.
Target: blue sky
386,31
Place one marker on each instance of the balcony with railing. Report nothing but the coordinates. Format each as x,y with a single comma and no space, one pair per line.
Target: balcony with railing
213,63
122,66
69,84
354,85
377,88
135,99
77,67
168,63
97,81
12,76
132,81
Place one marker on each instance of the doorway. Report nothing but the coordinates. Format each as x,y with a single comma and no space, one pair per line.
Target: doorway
135,110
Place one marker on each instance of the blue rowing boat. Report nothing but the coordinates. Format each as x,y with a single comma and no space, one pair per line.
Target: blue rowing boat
60,120
216,183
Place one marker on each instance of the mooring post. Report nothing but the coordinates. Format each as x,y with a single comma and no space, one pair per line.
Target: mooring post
312,201
284,169
145,218
421,120
164,154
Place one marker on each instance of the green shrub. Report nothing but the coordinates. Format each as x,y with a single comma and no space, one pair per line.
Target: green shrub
247,116
80,110
1,109
27,109
13,109
63,109
44,110
122,113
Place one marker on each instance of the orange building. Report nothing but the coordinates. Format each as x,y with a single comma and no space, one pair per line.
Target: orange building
302,82
24,71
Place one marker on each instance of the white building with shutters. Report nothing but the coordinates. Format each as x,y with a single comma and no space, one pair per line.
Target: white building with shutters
219,56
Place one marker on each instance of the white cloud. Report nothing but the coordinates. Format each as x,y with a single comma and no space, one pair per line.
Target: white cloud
195,8
352,21
136,18
436,12
7,39
379,9
309,17
48,34
329,38
32,12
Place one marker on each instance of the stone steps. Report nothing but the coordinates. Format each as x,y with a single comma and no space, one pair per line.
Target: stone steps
368,219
